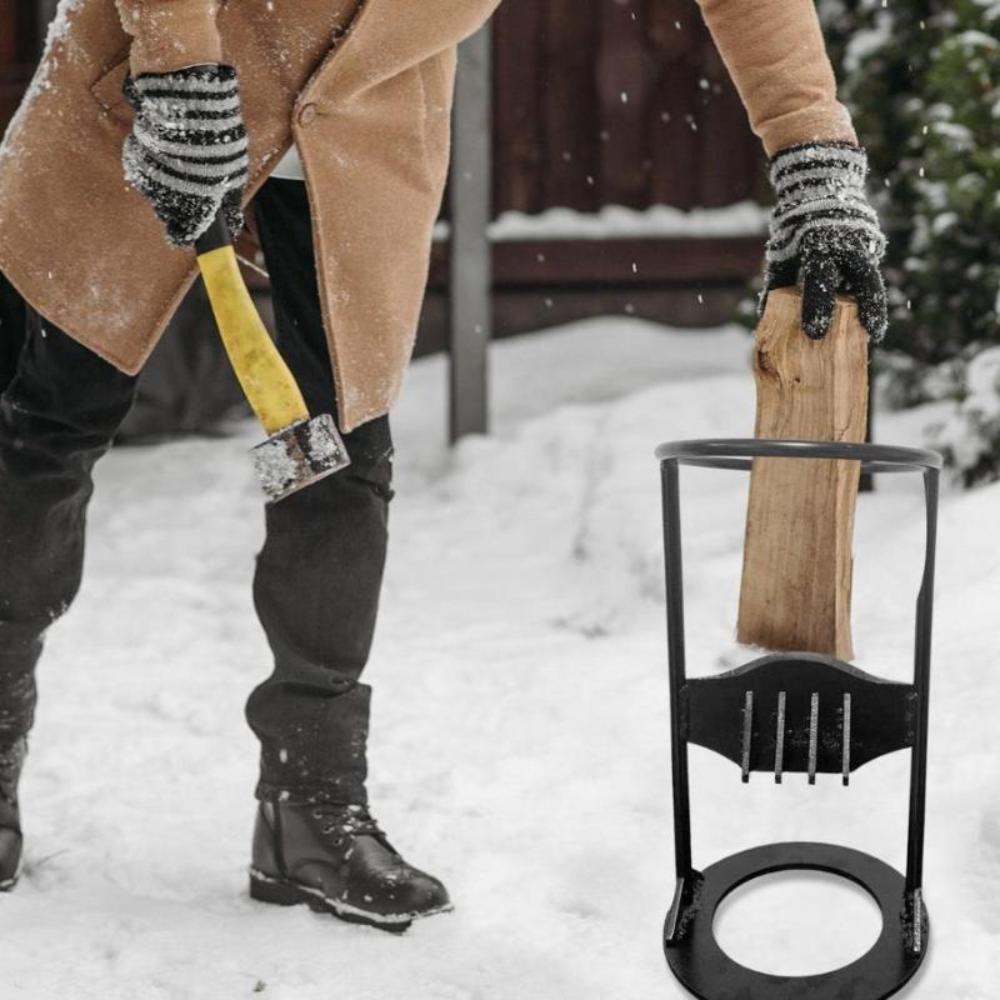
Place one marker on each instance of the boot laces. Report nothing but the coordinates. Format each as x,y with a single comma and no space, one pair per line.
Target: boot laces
347,820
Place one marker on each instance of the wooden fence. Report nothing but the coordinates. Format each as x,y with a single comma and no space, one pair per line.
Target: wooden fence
615,102
612,102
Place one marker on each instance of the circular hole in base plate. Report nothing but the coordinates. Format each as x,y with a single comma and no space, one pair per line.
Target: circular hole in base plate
797,923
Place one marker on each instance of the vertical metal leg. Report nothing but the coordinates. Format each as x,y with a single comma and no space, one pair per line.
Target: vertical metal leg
675,647
686,875
921,680
471,278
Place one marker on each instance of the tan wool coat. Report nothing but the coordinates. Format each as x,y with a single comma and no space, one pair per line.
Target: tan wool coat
365,91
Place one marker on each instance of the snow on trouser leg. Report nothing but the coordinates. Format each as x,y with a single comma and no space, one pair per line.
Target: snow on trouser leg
316,592
59,410
11,762
319,573
313,748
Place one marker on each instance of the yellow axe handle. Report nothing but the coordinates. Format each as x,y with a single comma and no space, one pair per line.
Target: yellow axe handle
269,386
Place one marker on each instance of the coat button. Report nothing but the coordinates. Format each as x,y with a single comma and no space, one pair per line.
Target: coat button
308,114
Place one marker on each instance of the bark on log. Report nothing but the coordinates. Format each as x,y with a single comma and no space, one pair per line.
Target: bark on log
798,560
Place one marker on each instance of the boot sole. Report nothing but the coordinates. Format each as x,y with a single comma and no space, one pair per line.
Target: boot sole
283,892
7,884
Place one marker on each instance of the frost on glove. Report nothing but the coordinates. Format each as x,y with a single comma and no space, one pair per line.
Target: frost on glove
188,149
825,236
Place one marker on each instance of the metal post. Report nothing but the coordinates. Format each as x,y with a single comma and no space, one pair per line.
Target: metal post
683,892
678,670
471,276
921,680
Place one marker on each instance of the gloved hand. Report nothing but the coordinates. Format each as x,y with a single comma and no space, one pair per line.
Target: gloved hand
825,236
188,149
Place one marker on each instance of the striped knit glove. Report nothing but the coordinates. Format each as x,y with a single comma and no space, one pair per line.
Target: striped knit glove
188,149
825,236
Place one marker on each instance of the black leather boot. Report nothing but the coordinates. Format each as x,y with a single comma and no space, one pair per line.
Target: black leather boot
334,858
11,761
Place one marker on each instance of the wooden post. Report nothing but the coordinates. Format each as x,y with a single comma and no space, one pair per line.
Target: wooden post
471,277
797,560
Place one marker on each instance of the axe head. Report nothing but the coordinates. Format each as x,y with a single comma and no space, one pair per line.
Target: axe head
298,456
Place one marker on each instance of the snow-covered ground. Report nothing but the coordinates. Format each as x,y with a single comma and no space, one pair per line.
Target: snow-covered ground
520,730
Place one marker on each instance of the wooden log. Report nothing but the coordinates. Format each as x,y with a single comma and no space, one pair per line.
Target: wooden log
797,559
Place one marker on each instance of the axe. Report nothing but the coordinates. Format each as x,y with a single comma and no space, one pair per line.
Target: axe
300,449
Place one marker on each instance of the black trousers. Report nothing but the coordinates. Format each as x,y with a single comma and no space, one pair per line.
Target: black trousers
317,578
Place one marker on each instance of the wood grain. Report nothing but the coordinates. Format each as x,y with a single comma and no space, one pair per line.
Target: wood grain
798,560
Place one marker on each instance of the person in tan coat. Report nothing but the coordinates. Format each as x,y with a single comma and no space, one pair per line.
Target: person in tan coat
145,120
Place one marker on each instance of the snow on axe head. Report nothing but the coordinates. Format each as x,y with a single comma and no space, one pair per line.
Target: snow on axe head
300,449
299,455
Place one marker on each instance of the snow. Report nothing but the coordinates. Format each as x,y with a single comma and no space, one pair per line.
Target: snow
520,740
977,39
744,218
970,431
867,41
